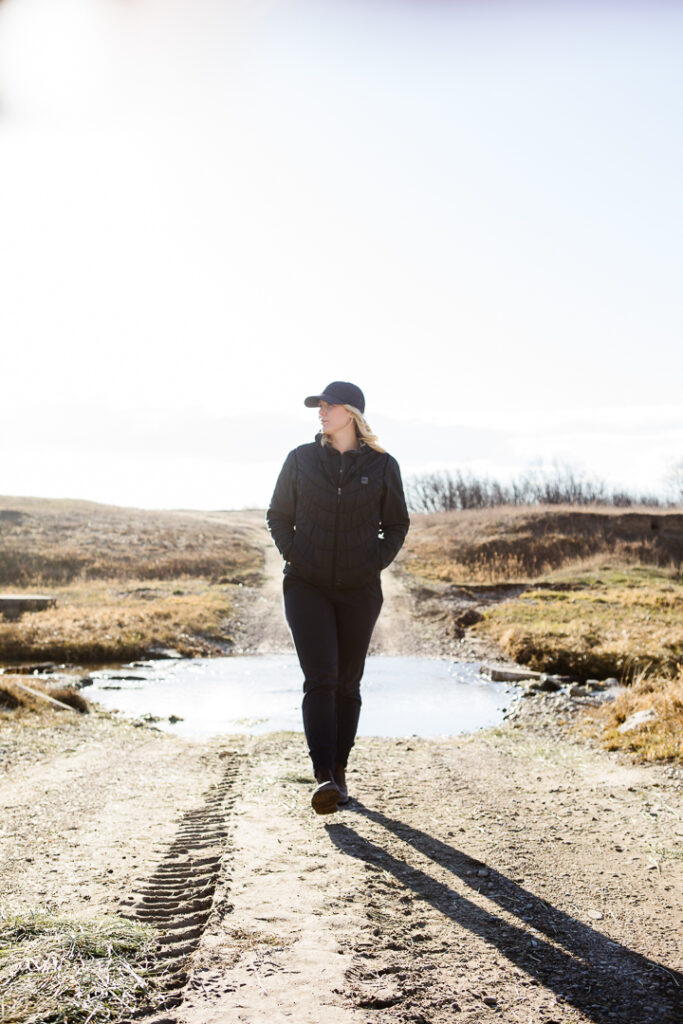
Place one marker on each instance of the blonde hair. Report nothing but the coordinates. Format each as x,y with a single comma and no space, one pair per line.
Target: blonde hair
363,430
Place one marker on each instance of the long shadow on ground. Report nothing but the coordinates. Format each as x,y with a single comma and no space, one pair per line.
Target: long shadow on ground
606,981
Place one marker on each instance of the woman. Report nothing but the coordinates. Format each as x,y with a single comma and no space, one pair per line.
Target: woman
338,517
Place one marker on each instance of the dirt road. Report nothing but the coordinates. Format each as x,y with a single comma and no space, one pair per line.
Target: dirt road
510,875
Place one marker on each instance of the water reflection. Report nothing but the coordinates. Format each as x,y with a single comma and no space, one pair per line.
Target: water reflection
401,696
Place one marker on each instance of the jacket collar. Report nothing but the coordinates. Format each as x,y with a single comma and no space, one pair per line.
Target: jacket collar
331,461
329,450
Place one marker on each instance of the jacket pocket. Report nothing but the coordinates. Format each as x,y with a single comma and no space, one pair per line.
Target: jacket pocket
292,552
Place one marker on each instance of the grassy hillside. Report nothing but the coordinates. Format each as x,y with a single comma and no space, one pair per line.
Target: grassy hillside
605,591
603,597
44,542
610,622
127,581
523,544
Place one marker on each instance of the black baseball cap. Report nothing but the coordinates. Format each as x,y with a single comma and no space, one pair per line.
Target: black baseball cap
339,392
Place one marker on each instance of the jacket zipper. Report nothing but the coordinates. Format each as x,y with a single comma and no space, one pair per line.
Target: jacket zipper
336,522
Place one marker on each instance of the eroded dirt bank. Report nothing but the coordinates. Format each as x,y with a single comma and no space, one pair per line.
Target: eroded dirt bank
511,875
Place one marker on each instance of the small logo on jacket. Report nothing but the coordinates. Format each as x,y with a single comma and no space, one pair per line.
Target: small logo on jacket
363,479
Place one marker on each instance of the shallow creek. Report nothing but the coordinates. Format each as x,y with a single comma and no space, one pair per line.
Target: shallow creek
262,693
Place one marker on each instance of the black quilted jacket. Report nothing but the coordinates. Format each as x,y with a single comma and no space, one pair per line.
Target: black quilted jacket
337,520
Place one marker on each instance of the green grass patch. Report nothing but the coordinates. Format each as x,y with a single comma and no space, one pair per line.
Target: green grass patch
56,970
608,622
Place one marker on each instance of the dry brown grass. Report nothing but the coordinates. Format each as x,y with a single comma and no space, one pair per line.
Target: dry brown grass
606,600
46,542
521,544
16,698
56,970
104,622
612,623
126,581
10,699
657,740
74,699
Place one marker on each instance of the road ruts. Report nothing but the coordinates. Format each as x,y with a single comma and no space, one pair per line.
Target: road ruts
452,931
178,897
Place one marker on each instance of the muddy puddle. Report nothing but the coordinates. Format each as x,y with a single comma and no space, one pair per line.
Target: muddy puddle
205,697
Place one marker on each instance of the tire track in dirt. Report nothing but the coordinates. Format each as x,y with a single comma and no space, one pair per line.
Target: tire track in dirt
447,890
455,888
178,897
282,952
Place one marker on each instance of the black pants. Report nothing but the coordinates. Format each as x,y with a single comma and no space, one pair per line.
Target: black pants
331,631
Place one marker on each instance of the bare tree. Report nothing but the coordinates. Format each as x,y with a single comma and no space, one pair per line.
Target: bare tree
674,480
444,491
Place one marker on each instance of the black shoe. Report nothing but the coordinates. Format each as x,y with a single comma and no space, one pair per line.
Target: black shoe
325,797
340,779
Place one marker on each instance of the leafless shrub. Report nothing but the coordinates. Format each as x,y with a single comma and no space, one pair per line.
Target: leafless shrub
675,482
443,491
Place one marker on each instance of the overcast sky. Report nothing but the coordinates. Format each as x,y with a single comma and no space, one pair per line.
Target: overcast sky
211,208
